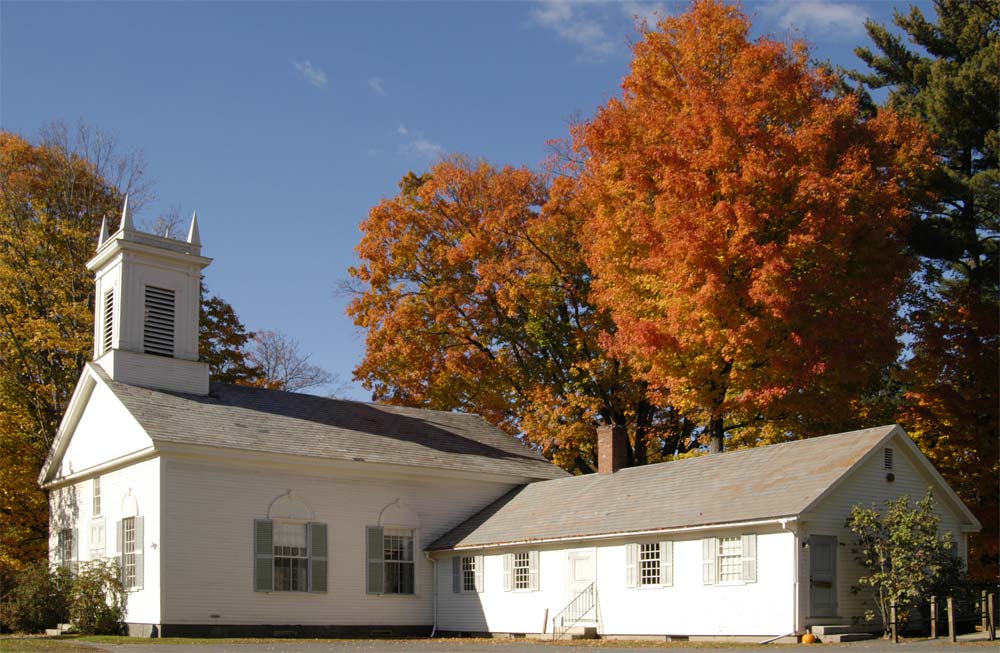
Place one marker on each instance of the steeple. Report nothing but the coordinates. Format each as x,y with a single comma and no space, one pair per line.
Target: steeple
148,302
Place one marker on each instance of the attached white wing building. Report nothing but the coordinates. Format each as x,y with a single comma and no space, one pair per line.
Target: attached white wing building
245,511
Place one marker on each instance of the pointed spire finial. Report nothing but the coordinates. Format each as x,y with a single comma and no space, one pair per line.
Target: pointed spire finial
127,224
104,232
193,236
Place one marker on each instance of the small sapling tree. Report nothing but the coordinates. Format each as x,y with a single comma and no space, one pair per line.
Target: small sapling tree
902,552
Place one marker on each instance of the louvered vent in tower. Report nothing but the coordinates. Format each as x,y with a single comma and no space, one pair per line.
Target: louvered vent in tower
158,325
109,320
887,458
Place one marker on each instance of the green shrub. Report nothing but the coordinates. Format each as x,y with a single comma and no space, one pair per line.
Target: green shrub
97,599
37,599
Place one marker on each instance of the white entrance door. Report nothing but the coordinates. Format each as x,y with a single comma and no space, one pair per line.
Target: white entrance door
581,573
822,576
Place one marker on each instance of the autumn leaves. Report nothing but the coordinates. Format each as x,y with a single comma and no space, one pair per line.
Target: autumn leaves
723,256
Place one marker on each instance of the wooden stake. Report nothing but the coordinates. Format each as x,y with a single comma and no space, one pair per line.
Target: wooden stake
991,604
934,617
892,617
952,635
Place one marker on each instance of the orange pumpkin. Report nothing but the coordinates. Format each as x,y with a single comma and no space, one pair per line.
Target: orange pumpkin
808,638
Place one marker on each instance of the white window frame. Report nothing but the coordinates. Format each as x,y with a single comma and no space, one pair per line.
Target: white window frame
64,548
402,563
467,569
729,551
520,571
301,553
649,559
96,496
129,576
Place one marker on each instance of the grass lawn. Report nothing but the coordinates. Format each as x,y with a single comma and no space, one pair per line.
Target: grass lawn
93,643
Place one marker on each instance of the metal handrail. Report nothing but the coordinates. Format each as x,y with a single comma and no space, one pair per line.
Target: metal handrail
578,608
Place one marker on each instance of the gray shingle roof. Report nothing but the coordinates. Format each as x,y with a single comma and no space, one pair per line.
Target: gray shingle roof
272,421
780,480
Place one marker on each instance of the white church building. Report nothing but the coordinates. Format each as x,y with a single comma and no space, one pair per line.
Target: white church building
244,511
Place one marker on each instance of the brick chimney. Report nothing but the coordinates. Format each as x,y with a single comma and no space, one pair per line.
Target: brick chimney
611,443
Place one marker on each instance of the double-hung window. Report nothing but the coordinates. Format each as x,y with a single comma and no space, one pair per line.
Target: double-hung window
97,496
728,560
66,548
649,564
520,571
467,574
390,568
289,556
129,536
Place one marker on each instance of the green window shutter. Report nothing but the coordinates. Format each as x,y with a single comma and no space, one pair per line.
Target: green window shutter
74,549
750,558
263,555
318,561
508,573
533,571
119,538
709,548
140,549
479,573
631,555
667,564
456,574
375,555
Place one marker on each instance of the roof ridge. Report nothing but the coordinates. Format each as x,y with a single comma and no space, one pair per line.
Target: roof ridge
348,401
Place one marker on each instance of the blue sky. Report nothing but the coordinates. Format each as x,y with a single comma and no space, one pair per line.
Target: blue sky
283,123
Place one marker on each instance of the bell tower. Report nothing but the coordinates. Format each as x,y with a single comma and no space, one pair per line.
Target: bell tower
147,305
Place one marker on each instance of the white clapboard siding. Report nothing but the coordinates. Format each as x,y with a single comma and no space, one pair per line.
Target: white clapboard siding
866,486
209,524
105,431
688,606
128,492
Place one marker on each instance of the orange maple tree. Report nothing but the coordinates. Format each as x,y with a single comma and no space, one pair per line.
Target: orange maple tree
474,295
749,228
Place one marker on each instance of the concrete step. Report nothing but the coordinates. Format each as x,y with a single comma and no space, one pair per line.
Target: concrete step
579,632
834,629
583,632
846,637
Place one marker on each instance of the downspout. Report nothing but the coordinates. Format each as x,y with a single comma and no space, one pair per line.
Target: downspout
795,573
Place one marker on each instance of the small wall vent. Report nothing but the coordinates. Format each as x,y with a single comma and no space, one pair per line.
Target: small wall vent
108,324
158,322
887,458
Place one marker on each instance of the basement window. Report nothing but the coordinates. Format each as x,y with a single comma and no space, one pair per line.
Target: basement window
158,322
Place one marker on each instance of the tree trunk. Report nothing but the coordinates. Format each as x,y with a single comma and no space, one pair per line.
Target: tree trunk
715,433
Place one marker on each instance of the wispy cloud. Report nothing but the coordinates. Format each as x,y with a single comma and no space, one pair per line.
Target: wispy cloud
820,17
645,14
402,130
376,85
562,17
312,74
423,148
